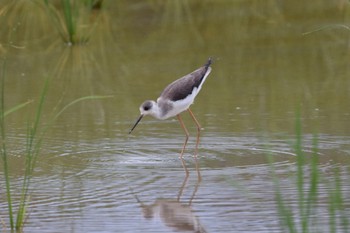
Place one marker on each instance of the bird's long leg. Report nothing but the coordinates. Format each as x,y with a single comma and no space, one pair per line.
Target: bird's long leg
186,132
198,130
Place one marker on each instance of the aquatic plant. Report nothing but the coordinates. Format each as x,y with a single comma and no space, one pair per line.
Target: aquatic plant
73,19
303,218
34,138
3,147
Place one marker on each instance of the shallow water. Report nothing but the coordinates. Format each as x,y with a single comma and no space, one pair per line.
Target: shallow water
91,176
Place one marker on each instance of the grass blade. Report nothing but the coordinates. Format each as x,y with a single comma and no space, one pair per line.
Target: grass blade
17,107
31,155
285,213
69,19
91,97
300,170
3,147
313,186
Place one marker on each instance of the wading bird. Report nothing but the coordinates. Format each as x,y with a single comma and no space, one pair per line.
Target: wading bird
177,98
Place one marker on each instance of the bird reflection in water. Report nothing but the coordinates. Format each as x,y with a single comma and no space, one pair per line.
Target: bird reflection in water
172,212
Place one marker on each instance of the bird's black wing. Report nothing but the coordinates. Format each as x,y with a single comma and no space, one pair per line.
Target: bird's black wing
181,88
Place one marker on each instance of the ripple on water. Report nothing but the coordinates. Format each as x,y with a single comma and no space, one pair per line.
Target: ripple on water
107,184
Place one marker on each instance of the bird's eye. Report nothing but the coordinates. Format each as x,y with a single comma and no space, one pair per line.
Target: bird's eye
146,106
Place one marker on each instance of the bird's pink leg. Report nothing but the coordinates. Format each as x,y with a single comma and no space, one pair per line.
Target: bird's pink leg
198,131
186,132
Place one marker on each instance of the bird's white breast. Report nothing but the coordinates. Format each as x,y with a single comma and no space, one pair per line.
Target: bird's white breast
178,106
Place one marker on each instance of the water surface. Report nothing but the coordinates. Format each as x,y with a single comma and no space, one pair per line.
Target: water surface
91,176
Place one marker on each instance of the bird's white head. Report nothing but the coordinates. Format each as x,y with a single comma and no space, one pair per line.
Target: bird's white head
149,107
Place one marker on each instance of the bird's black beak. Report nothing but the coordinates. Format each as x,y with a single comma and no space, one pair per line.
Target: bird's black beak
138,120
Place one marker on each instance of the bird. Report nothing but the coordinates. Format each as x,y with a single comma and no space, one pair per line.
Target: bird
176,98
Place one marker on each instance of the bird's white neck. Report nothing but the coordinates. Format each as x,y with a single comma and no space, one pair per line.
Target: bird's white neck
155,111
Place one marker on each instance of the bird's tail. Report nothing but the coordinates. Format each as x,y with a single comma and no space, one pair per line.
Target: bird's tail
208,63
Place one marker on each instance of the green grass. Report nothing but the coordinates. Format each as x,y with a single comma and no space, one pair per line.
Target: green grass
72,19
337,208
302,219
35,136
4,154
